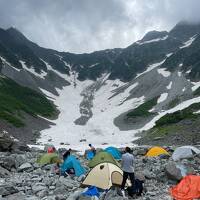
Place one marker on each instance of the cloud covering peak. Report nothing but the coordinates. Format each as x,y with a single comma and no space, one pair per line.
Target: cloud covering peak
89,25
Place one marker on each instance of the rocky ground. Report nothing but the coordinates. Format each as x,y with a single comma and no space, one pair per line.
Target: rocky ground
22,178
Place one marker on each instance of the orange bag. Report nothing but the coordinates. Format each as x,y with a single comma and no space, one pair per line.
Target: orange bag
187,189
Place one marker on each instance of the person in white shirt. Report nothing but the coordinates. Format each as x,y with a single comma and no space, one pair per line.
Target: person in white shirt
127,167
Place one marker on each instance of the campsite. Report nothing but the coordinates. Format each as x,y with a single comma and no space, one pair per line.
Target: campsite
166,173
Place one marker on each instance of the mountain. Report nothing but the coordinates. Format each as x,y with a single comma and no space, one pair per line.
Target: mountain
112,94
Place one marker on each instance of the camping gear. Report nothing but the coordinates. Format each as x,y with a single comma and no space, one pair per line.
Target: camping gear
89,155
91,191
102,157
104,175
72,163
184,152
48,158
137,188
187,189
156,151
114,152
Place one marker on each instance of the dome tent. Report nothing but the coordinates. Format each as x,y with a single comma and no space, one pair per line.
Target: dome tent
73,162
156,151
48,158
184,152
114,152
102,157
104,175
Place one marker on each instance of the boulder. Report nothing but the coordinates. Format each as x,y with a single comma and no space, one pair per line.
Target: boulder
173,172
7,162
3,172
25,167
5,142
6,190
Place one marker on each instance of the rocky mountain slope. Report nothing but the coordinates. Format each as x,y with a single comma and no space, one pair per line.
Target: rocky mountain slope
111,94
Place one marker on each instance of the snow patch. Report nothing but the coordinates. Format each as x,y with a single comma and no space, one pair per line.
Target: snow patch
183,90
168,55
91,66
196,85
164,72
181,106
162,97
187,72
179,74
151,67
197,112
189,42
6,62
32,70
153,40
169,86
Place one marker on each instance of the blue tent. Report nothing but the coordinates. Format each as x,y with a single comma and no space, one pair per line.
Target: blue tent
89,155
72,162
114,152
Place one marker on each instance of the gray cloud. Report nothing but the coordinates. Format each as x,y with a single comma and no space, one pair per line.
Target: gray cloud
89,25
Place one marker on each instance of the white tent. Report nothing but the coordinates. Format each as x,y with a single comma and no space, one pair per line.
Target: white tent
104,175
185,152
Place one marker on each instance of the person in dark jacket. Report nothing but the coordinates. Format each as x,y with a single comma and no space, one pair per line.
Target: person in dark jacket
66,154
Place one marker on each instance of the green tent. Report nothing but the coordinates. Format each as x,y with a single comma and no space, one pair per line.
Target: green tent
48,158
102,157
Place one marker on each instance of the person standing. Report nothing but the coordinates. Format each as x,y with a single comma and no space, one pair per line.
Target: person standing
128,168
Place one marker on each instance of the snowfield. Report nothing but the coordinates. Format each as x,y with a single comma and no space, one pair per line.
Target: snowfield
100,129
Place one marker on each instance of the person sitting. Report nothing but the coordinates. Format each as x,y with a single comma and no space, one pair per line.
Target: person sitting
92,149
66,154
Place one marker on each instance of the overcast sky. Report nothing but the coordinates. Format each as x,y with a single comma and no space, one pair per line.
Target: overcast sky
89,25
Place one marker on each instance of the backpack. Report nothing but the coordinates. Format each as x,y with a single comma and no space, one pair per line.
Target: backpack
136,189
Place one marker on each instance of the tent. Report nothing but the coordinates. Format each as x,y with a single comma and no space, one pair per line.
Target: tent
48,158
89,155
156,151
114,152
73,162
187,189
185,152
104,175
102,157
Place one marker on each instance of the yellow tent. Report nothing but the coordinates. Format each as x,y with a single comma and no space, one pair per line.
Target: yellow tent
156,151
104,175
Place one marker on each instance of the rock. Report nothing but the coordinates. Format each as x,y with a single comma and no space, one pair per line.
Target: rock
38,187
81,178
7,162
25,167
6,190
3,172
83,197
42,193
173,172
5,142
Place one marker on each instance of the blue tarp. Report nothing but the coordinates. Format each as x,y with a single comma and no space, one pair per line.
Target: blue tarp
114,152
89,155
92,191
72,162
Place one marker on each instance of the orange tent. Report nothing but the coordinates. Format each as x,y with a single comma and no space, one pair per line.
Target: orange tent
187,189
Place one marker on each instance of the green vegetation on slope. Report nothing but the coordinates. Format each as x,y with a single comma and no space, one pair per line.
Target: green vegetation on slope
143,110
15,98
177,116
